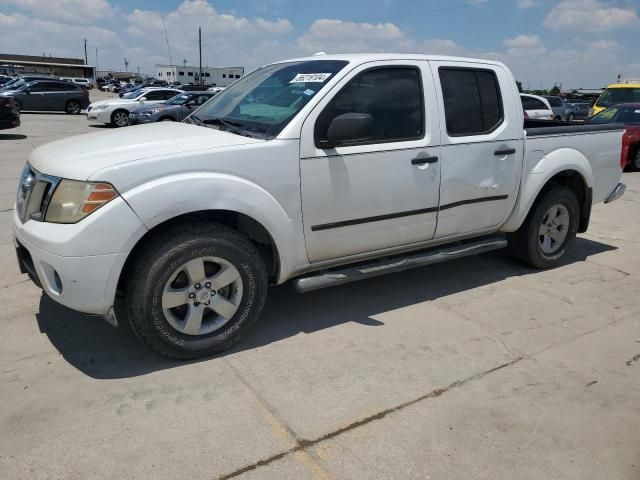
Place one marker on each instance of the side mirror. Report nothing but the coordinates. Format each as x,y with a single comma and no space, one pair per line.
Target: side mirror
143,99
349,127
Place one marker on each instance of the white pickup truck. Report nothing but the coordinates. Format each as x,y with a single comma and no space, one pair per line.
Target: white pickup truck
323,170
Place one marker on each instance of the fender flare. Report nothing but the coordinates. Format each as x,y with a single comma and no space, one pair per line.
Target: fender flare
548,166
165,198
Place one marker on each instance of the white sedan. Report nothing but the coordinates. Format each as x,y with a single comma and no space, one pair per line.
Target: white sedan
536,107
115,111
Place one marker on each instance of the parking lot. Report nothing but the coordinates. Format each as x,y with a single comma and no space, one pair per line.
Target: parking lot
479,368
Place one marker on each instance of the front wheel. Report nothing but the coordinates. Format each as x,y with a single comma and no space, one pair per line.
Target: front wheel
195,291
120,118
549,230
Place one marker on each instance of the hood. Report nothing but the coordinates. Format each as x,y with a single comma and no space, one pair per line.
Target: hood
79,157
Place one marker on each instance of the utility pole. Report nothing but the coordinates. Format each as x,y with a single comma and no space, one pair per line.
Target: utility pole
96,62
86,60
200,50
184,62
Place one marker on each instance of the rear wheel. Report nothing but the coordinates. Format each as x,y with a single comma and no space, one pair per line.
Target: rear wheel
635,162
120,118
196,290
167,119
72,107
549,229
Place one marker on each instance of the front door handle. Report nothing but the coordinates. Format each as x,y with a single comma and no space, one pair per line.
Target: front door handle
506,151
423,160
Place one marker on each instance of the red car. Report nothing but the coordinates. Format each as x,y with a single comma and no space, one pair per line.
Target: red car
629,114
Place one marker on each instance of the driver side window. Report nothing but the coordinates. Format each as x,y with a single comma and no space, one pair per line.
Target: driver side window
392,96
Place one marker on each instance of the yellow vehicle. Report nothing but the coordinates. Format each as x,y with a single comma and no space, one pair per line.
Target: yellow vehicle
615,94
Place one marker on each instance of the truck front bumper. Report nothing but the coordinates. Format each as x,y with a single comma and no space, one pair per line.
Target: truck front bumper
79,265
616,193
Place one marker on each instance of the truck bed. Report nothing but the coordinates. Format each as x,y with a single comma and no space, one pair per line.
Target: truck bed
590,148
536,128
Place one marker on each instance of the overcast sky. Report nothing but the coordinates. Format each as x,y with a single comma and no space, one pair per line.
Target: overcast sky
580,43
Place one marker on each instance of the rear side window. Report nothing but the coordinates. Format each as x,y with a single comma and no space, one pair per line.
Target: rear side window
43,87
392,96
554,102
472,101
529,103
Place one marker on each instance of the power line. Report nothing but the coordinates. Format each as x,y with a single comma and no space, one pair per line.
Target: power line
435,10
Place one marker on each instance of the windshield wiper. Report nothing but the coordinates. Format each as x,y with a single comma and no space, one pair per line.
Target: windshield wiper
230,125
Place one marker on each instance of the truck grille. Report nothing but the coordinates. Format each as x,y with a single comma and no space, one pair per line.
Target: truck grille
34,192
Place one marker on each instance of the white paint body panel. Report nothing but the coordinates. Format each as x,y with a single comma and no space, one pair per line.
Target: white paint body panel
361,181
168,169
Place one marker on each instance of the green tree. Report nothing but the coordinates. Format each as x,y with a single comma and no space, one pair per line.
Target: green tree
555,90
519,84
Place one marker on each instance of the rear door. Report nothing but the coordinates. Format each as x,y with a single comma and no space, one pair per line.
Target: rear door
39,97
381,192
481,146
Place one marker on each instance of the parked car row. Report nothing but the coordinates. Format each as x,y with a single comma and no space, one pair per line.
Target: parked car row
553,108
115,111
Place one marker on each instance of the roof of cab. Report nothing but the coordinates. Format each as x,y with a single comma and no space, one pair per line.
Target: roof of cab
374,57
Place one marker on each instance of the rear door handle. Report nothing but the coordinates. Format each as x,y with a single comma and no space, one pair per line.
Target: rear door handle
506,151
423,160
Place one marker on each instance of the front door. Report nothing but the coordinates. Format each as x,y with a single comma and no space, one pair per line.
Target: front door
382,192
482,147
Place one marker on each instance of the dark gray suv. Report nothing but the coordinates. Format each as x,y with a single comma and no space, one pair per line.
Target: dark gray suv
50,95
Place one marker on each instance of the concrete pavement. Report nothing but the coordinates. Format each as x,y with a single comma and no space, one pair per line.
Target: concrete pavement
479,368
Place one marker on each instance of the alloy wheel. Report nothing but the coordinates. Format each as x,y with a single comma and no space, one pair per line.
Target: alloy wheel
554,229
202,295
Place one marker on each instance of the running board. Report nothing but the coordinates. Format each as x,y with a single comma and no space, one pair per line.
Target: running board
397,264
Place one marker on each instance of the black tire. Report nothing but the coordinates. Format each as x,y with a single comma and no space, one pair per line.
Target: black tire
18,105
634,164
167,119
525,243
120,118
157,264
72,107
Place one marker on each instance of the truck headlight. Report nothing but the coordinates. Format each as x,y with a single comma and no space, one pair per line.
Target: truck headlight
73,200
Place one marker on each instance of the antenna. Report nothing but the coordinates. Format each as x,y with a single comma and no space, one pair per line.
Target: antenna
167,39
200,81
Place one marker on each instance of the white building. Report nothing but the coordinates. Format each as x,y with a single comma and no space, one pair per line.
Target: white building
220,77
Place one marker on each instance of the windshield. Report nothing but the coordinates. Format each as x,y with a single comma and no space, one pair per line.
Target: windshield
264,102
19,83
615,96
178,99
132,93
606,116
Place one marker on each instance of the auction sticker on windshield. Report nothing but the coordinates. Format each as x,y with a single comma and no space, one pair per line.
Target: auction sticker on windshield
310,77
